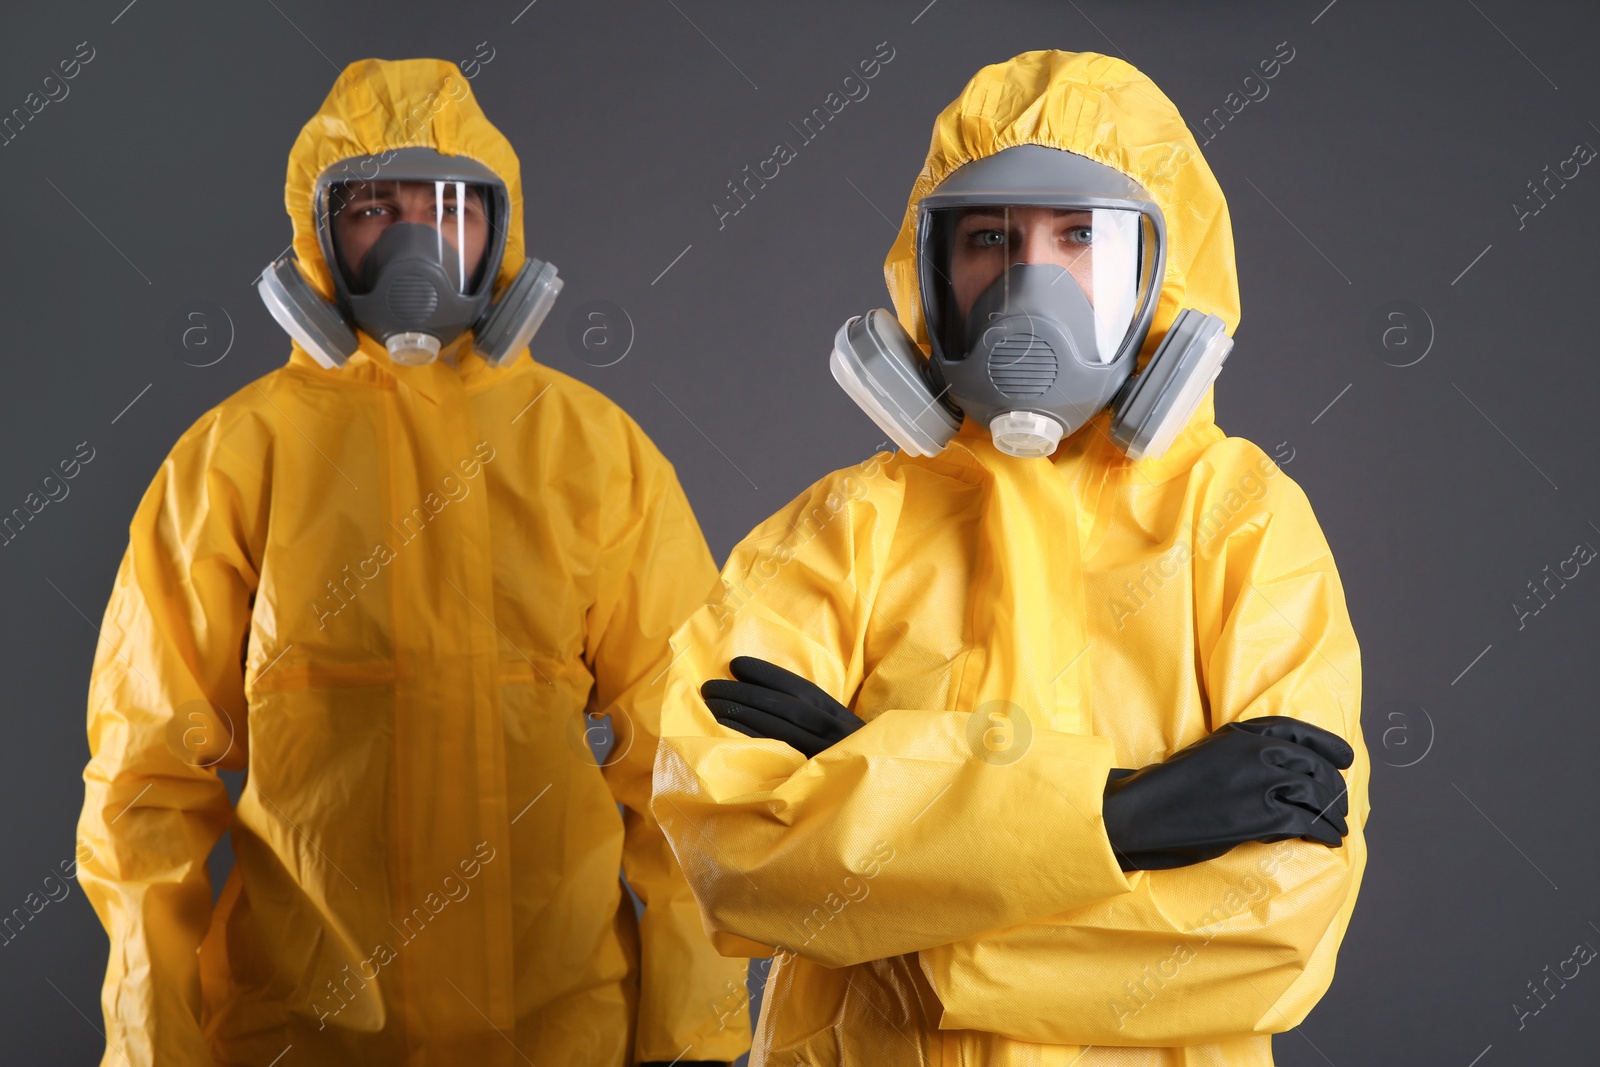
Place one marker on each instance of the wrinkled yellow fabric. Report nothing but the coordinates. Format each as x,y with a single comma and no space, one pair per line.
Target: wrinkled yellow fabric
399,588
938,886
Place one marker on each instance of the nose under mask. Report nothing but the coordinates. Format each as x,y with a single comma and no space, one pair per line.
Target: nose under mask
1031,344
409,293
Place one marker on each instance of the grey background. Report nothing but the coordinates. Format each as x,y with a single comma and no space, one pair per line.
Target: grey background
1382,166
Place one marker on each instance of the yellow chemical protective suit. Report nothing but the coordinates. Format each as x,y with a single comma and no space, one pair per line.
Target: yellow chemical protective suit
939,885
389,593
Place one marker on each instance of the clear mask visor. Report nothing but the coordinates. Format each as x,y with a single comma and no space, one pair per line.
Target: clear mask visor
1104,253
456,215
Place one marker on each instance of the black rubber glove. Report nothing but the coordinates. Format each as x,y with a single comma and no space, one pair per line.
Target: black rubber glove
1267,779
768,701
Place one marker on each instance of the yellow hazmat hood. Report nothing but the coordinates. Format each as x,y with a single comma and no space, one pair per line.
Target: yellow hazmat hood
382,104
1104,109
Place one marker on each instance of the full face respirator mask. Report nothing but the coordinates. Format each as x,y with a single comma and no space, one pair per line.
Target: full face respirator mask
414,241
1039,272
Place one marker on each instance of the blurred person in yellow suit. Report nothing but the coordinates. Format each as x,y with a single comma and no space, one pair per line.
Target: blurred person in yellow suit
389,581
1042,745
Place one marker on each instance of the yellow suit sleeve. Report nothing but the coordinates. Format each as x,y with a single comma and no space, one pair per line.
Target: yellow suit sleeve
166,707
655,569
1242,944
895,838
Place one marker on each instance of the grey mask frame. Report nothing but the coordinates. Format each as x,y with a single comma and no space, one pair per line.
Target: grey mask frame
1033,175
1029,402
410,164
326,329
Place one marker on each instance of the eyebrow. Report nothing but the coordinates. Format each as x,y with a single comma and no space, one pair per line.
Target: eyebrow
986,213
